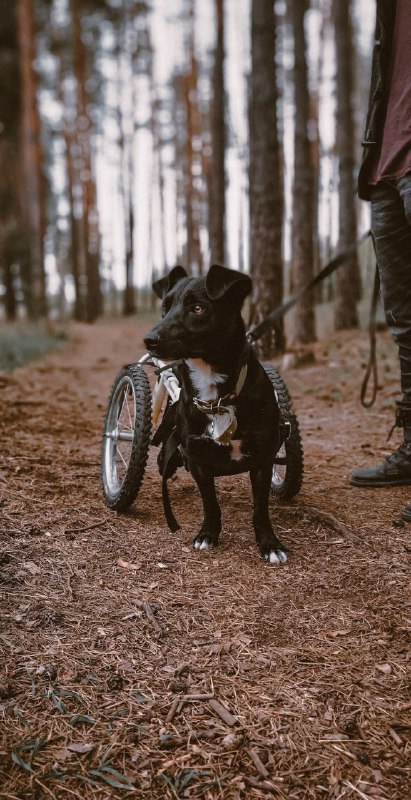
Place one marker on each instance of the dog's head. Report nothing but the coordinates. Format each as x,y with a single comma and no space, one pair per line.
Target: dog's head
199,314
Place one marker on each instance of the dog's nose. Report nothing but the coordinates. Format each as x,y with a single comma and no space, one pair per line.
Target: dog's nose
151,340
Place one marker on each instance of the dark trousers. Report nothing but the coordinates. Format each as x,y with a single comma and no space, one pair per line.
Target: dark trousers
391,230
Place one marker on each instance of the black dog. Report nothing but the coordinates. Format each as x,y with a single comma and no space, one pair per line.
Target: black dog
226,420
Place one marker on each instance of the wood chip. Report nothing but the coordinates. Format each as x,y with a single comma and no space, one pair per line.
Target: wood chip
258,763
395,737
199,696
222,712
173,710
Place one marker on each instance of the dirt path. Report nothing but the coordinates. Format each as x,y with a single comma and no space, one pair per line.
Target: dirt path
119,643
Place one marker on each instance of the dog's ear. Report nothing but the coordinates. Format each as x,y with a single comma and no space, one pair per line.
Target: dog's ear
163,285
220,280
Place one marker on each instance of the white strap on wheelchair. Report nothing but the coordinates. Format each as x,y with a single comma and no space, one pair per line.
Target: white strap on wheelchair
167,381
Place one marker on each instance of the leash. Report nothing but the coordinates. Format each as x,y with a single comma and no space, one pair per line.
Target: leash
277,313
281,310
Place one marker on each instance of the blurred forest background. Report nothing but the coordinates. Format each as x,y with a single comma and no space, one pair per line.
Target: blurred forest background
137,135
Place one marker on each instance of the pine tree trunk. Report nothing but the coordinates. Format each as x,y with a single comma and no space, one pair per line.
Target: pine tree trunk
126,142
77,261
90,230
179,157
266,188
348,276
193,157
303,187
32,159
77,254
157,139
218,141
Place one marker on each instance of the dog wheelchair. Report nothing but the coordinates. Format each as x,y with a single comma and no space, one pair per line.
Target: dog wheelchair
134,414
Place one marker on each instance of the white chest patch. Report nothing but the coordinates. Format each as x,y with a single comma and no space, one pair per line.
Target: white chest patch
204,379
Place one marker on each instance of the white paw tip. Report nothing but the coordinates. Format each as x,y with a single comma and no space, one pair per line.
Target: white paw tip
202,545
205,545
278,557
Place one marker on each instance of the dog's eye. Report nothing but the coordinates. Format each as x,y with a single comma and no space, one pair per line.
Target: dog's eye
197,309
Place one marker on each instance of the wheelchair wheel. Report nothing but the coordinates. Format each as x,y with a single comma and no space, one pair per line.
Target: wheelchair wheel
289,462
126,437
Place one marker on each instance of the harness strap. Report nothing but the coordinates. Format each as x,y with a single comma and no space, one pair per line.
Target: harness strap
166,426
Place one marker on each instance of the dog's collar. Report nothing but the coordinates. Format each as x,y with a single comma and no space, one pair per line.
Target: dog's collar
219,406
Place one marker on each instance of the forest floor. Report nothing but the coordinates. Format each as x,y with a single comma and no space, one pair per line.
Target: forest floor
120,644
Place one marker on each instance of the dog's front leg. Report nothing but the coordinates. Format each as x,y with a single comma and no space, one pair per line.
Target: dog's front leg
270,546
209,532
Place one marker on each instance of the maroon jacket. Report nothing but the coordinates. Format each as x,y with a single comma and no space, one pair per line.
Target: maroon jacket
378,93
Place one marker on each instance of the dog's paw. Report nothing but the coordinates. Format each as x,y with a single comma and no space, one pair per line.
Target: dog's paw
203,542
276,557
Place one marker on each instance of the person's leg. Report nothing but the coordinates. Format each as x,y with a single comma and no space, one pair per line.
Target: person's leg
402,329
404,188
391,229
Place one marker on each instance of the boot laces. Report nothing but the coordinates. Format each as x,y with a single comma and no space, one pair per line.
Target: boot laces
401,454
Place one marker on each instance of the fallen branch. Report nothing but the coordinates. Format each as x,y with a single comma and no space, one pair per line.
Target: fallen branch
86,527
325,517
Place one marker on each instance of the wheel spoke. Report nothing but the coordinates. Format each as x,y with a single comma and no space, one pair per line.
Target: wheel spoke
129,416
122,458
120,422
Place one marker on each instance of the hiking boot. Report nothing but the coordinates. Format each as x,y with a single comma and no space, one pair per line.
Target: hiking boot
406,512
394,471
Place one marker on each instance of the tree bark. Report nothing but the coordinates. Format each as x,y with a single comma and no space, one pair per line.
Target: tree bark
126,142
303,186
90,230
218,143
348,276
77,261
193,155
32,159
266,188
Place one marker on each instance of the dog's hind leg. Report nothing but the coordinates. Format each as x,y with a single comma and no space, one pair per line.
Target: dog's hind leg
208,534
270,546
